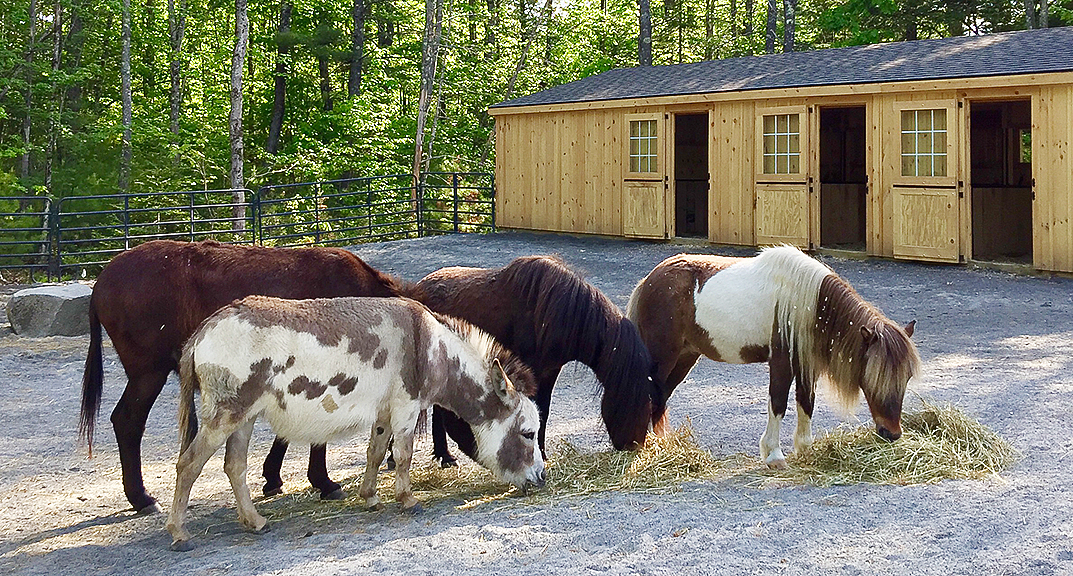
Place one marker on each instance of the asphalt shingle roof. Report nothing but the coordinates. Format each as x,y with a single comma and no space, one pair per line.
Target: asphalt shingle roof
1009,53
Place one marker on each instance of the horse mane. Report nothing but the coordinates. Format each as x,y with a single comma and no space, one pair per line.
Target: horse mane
573,320
521,376
832,332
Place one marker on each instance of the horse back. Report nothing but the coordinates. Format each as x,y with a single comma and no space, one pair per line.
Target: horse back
151,298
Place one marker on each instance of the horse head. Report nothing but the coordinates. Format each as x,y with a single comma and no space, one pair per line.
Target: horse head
890,361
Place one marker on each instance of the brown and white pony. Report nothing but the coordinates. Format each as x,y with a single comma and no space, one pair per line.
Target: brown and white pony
151,299
326,369
784,308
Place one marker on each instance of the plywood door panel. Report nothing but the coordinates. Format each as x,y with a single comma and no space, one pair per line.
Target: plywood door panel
782,214
926,225
643,210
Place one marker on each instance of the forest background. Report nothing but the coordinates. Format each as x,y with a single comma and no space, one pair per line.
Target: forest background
107,96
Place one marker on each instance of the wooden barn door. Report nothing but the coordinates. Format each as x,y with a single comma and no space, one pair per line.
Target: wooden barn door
644,188
782,202
926,189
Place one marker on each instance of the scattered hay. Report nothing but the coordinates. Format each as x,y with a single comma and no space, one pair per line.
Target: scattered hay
937,443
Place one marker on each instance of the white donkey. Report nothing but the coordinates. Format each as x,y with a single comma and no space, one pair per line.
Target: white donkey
323,370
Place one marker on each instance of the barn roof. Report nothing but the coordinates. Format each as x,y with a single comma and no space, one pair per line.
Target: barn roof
1003,54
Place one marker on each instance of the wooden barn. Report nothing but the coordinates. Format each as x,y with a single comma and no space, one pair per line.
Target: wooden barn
944,150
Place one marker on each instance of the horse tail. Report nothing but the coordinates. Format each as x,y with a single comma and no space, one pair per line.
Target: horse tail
188,383
92,381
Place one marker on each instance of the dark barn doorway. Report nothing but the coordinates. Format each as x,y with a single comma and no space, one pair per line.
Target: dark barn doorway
843,178
691,175
1000,156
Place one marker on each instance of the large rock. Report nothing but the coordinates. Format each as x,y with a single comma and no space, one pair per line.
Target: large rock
59,310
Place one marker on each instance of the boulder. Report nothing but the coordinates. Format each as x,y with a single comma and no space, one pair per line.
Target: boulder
56,310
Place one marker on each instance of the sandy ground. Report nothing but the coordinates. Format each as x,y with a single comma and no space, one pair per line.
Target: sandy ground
996,345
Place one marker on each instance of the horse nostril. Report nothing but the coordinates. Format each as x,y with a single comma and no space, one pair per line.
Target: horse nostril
887,434
541,479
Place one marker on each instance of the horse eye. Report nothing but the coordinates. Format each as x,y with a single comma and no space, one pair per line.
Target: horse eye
528,435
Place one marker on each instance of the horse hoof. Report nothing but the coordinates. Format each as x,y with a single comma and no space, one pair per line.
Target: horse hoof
182,546
390,464
149,510
414,510
379,506
336,494
262,530
448,462
778,464
272,490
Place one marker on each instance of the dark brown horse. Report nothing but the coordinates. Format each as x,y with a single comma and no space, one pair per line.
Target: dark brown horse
788,310
547,315
152,298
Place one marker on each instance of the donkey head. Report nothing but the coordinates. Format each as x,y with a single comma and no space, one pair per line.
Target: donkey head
506,442
890,361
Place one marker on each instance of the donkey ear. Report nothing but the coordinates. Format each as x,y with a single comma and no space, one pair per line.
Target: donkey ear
868,334
502,384
909,328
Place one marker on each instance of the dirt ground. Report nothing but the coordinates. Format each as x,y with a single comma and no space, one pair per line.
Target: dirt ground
996,345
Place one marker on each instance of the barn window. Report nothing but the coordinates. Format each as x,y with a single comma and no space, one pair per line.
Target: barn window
782,144
924,142
644,145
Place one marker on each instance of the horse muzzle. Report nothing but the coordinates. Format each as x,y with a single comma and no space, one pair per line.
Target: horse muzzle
887,434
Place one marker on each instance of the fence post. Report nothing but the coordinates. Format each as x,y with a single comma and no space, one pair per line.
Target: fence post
190,196
126,221
53,239
255,216
419,192
454,191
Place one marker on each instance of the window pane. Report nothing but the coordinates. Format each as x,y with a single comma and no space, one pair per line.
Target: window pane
769,124
939,117
634,128
908,121
795,144
780,124
939,165
909,165
769,144
909,143
795,120
939,147
923,120
795,164
769,164
635,164
634,147
782,144
924,143
642,147
781,165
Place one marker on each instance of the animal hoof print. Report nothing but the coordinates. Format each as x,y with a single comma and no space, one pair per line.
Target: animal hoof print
182,546
336,494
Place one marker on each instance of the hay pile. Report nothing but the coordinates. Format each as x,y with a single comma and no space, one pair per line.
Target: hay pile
937,443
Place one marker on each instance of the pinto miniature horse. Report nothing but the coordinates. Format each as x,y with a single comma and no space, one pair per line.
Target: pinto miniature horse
324,369
151,299
784,308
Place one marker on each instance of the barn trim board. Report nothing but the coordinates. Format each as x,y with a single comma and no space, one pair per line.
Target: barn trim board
943,150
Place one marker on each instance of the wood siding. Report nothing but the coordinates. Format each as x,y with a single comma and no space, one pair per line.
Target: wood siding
1052,170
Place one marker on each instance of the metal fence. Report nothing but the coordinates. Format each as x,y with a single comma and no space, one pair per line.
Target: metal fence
77,235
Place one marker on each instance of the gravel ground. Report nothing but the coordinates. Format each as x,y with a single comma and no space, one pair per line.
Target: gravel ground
996,345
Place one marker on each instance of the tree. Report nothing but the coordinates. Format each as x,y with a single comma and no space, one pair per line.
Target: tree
772,23
238,59
357,48
430,54
644,38
176,31
789,12
124,71
279,97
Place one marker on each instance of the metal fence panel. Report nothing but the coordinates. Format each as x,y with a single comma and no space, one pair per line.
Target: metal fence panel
458,202
25,239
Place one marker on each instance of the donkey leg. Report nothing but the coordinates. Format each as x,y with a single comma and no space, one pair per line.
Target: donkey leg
781,375
318,474
806,402
404,451
128,421
272,467
187,469
378,441
235,459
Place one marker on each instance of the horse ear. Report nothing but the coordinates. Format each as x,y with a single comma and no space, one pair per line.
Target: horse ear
909,328
868,334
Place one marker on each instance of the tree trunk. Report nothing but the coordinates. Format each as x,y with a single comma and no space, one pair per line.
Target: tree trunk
357,48
644,39
430,54
76,39
750,12
385,27
789,13
24,160
58,93
238,197
1030,14
772,24
325,81
490,39
733,18
709,27
176,31
279,99
124,73
1043,13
